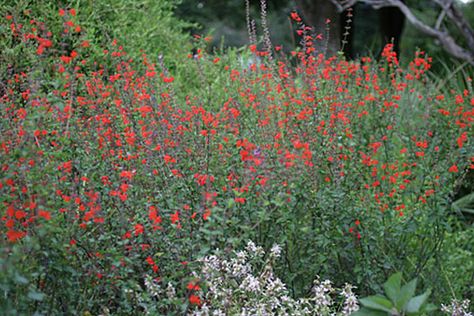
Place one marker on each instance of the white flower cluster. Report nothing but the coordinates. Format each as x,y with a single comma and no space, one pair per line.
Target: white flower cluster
322,295
153,288
147,299
457,308
246,285
351,304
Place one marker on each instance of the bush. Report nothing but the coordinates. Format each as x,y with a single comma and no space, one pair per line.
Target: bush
245,284
116,169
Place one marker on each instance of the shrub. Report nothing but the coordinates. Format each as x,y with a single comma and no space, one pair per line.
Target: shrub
245,284
115,168
399,300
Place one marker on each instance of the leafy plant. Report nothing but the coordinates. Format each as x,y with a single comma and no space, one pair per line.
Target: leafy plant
399,300
119,171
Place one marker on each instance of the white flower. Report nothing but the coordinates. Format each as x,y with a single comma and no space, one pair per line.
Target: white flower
241,255
457,308
170,291
254,250
250,283
152,286
251,247
241,285
275,251
350,301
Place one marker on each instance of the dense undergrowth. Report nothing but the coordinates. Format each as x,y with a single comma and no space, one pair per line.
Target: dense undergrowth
119,171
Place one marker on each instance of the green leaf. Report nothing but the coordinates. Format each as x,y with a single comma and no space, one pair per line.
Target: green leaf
230,203
406,293
368,312
36,296
392,286
415,304
377,302
466,202
430,308
19,279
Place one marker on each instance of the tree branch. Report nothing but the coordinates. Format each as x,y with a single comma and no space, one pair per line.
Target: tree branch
458,19
446,40
441,16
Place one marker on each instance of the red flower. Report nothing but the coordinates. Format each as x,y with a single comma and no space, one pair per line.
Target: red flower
294,16
126,174
153,215
65,59
15,235
150,260
206,214
453,169
239,200
139,229
462,139
168,79
45,214
175,217
195,300
193,287
20,214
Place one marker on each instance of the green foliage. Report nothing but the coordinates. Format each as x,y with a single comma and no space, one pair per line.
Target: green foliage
143,26
118,173
400,300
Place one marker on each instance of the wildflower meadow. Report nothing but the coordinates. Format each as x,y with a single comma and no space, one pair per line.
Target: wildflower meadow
178,180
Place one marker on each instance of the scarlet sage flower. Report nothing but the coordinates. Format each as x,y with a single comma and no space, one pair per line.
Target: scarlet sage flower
194,300
15,235
174,217
462,139
139,229
206,214
150,260
168,79
126,174
193,287
295,17
453,169
153,215
20,214
168,159
65,59
45,214
239,200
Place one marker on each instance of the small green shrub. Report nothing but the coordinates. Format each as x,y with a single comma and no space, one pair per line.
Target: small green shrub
399,300
244,283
